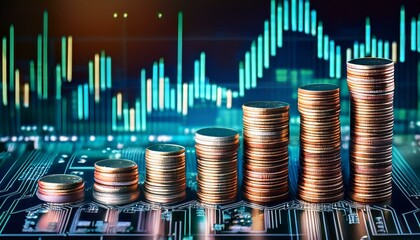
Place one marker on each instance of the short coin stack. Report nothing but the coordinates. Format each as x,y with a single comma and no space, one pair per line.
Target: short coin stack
321,177
116,181
61,188
217,157
371,86
165,173
266,155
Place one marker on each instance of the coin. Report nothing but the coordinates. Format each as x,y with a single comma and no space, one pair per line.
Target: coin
217,158
116,181
320,177
115,166
371,85
266,155
165,181
61,188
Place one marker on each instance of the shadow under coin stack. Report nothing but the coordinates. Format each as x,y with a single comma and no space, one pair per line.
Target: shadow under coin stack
116,181
165,173
61,188
371,86
321,178
266,155
217,157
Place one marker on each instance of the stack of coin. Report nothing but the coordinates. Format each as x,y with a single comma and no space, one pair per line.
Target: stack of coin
165,173
266,155
321,178
61,188
217,157
371,86
116,181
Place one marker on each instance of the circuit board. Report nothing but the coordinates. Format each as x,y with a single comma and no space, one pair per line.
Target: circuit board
23,215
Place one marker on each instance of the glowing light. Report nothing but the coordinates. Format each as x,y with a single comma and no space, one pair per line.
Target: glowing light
119,105
161,94
202,75
260,56
197,79
11,58
348,54
58,82
179,63
138,115
413,34
266,45
26,95
362,50
380,48
229,99
102,68
63,57
190,95
247,71
286,15
332,59
108,72
185,99
254,65
167,94
394,51
272,29
4,70
149,95
132,120
402,34
155,87
326,47
125,15
115,15
338,62
386,49
241,79
307,13
45,56
219,97
17,89
96,76
143,100
39,66
300,16
374,46
367,36
279,26
319,40
356,50
313,23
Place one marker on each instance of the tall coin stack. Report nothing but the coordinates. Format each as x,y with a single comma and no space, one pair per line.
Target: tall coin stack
217,157
371,86
116,181
266,155
321,177
165,173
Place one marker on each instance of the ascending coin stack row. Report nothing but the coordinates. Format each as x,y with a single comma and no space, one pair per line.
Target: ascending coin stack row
217,158
320,143
165,173
116,181
266,155
371,86
61,188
